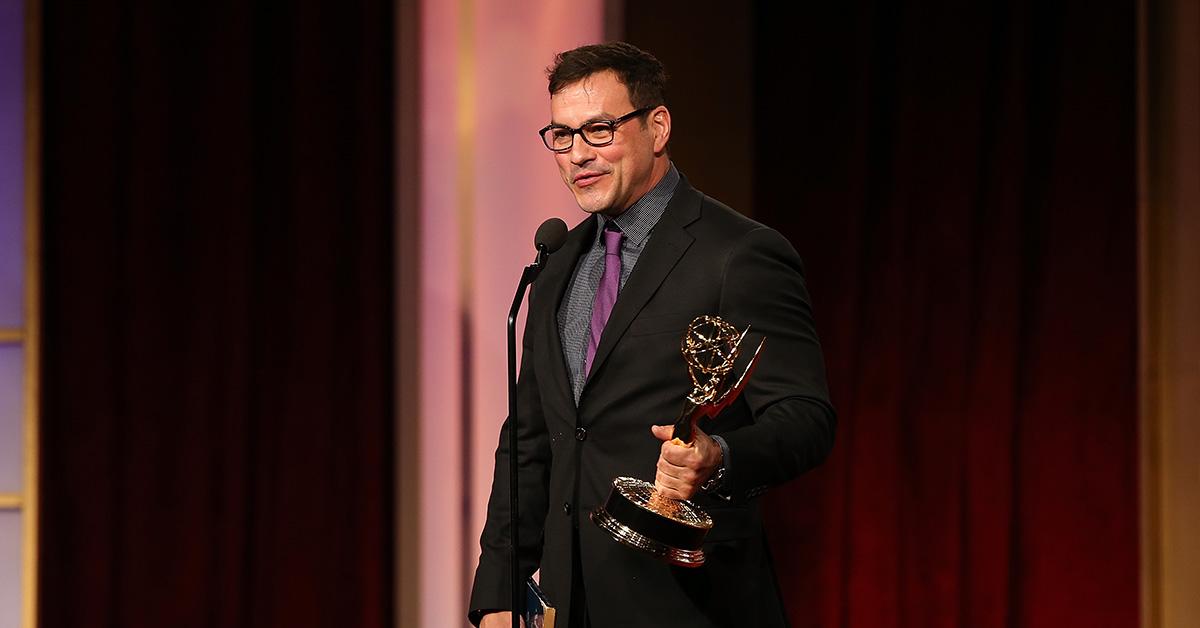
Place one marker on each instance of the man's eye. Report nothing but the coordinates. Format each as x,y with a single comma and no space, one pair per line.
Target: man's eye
598,131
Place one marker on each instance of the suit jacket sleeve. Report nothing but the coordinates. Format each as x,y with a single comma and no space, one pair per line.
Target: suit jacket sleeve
491,587
793,420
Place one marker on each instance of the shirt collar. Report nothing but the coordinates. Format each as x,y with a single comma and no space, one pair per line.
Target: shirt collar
638,221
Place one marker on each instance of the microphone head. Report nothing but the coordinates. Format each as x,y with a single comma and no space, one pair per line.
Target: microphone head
551,235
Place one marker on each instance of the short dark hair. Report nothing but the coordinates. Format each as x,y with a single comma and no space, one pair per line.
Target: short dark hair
640,73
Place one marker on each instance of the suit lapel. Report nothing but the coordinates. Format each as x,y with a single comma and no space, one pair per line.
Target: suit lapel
667,244
554,281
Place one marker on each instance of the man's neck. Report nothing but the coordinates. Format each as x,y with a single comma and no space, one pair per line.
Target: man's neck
661,166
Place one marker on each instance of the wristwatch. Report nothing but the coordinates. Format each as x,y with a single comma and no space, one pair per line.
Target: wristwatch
714,481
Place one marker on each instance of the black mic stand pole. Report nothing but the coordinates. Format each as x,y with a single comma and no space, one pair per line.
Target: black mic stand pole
527,276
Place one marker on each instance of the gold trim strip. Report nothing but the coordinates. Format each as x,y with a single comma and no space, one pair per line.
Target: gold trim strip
12,336
407,297
10,501
466,125
33,313
1169,303
1149,428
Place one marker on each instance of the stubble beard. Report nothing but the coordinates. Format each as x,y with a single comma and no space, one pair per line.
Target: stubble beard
593,203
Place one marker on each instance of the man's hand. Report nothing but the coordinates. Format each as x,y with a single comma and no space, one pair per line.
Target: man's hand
683,468
499,619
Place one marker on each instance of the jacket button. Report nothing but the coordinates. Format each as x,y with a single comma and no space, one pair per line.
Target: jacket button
580,433
567,508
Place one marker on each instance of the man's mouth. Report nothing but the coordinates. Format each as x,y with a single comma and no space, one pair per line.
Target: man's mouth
584,179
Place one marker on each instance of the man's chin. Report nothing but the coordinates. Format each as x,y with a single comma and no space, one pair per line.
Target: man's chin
591,204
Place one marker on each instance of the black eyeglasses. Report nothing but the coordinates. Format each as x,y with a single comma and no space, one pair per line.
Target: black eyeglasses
560,137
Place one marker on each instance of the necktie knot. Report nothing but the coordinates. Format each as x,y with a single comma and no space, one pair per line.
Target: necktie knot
612,239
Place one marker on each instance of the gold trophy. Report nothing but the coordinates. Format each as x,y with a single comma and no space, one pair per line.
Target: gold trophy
637,515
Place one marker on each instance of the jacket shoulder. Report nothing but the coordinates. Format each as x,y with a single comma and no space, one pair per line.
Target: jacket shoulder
721,223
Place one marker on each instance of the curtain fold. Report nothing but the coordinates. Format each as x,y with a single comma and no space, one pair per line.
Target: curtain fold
960,181
218,316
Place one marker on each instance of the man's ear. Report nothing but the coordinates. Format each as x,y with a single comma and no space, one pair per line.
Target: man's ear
659,120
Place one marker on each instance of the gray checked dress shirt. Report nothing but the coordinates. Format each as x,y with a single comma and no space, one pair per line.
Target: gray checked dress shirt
575,311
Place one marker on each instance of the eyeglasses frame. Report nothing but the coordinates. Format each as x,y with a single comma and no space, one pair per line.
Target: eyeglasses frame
579,131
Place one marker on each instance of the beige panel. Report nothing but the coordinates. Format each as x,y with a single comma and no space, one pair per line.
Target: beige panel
474,182
1169,177
11,532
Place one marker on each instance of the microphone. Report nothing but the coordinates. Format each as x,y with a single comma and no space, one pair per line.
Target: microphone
550,236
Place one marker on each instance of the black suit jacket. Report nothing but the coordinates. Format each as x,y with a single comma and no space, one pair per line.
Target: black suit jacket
703,258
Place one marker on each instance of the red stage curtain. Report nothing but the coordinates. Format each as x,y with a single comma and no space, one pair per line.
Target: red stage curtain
217,316
960,180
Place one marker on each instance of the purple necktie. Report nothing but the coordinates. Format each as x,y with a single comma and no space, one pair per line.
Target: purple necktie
606,293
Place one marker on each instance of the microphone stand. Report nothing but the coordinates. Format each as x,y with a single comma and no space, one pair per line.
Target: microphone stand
528,275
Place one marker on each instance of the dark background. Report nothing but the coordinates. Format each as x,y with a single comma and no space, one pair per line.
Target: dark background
960,179
219,322
218,315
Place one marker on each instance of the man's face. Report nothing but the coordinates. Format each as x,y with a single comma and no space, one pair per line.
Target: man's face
608,179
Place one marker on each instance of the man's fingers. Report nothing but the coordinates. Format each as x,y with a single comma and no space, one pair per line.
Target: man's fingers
672,487
500,619
662,432
687,474
682,468
680,456
672,494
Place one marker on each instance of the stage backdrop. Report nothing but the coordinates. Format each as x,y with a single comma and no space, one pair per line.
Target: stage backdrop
960,180
486,183
218,422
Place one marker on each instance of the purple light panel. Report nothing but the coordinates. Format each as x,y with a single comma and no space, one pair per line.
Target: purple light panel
12,281
12,170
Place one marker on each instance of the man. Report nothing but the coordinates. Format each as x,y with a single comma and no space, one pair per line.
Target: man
602,376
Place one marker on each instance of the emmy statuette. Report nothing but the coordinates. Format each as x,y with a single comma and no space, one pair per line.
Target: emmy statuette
635,514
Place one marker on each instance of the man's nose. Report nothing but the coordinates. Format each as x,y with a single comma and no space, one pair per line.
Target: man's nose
581,152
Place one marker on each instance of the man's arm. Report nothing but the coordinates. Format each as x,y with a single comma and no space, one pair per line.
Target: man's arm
491,588
794,422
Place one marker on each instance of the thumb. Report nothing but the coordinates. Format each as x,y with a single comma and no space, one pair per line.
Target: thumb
662,432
